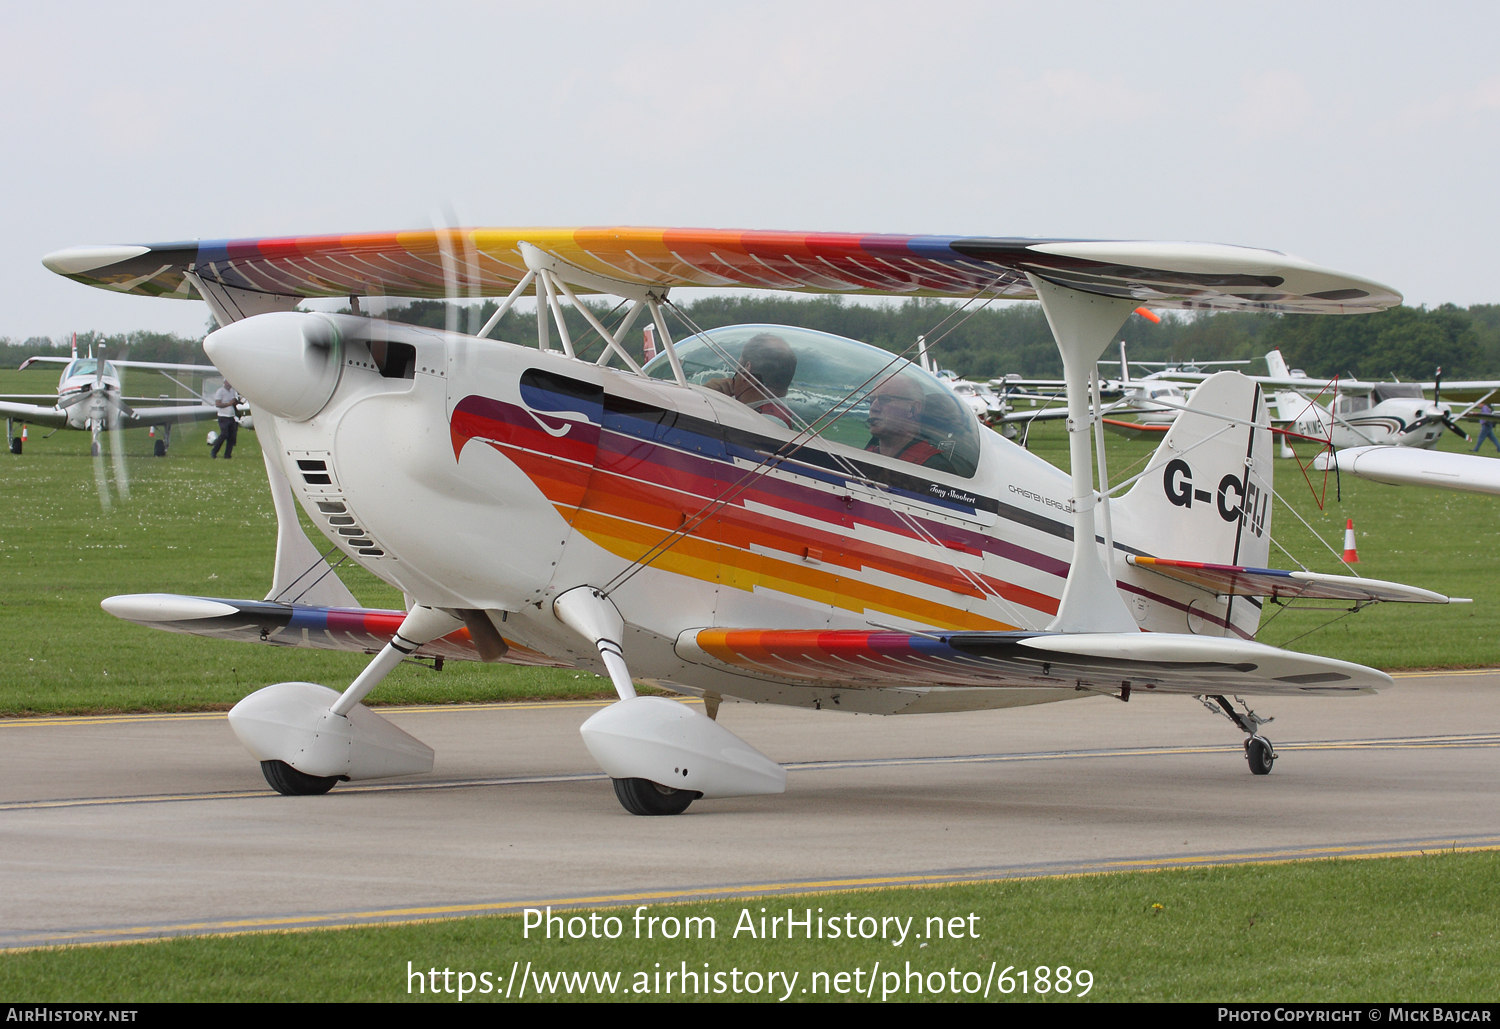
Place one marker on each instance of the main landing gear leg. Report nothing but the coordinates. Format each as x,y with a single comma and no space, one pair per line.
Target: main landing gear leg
662,755
1258,750
305,747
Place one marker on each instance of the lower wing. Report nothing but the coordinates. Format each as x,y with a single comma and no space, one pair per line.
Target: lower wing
1102,662
359,629
33,413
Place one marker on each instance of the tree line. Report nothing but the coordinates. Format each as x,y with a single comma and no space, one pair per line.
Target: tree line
978,341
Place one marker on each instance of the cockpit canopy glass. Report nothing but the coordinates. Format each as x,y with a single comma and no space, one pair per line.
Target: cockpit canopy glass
89,366
1391,390
831,387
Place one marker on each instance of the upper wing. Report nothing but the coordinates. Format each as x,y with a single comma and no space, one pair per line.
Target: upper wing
360,629
190,369
1155,662
488,262
159,366
1232,580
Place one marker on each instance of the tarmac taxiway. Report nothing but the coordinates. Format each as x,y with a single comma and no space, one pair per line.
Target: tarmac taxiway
139,826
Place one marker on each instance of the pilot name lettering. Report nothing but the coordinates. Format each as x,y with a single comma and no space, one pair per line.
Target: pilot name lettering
952,493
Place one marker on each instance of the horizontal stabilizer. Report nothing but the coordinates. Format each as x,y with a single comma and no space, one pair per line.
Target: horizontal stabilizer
1234,581
1151,662
359,629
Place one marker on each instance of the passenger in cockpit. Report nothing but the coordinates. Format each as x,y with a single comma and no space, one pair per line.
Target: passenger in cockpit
896,407
766,368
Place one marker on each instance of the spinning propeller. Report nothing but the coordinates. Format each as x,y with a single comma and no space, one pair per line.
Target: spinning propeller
104,413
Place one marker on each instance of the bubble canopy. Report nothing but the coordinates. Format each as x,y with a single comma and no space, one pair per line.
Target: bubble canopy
830,392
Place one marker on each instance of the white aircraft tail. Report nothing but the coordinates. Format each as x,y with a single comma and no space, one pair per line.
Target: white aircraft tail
1276,366
1208,495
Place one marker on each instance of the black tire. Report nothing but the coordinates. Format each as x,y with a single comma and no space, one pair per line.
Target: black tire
1259,753
289,782
161,448
644,797
15,444
94,450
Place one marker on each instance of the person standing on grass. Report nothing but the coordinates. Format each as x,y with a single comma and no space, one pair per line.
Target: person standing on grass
1486,427
226,399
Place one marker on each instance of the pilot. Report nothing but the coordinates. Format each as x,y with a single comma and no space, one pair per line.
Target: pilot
766,368
896,407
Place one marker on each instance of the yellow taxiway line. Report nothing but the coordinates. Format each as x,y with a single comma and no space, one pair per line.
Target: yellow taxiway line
443,912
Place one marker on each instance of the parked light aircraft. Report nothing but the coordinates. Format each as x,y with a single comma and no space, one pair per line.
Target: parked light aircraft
844,535
89,398
1363,414
1154,399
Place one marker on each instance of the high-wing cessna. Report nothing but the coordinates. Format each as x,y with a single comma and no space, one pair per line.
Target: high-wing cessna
761,512
1346,412
89,398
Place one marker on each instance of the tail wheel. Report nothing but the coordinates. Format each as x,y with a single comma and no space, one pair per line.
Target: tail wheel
289,782
161,448
1259,753
644,797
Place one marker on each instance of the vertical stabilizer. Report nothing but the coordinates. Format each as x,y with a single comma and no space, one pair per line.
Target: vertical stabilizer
1208,494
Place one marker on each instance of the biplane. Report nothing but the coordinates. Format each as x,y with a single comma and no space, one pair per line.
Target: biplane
760,512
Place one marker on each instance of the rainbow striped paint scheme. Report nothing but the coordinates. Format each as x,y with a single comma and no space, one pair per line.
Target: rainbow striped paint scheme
361,630
1059,663
472,262
630,475
869,659
1232,580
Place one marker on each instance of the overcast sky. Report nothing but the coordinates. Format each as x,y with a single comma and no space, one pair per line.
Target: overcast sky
1359,136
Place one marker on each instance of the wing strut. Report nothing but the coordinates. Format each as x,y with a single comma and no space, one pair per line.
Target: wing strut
1083,325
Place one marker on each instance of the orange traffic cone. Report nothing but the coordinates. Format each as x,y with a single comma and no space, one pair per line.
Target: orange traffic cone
23,440
1351,556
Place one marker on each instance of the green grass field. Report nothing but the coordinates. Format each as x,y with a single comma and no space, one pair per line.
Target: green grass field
1408,929
195,526
190,525
1380,930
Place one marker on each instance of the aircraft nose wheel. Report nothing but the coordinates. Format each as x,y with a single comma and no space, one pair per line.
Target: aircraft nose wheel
644,797
1260,754
289,782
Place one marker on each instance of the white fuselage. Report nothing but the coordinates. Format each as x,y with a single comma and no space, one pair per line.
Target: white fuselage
496,477
80,379
1362,420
